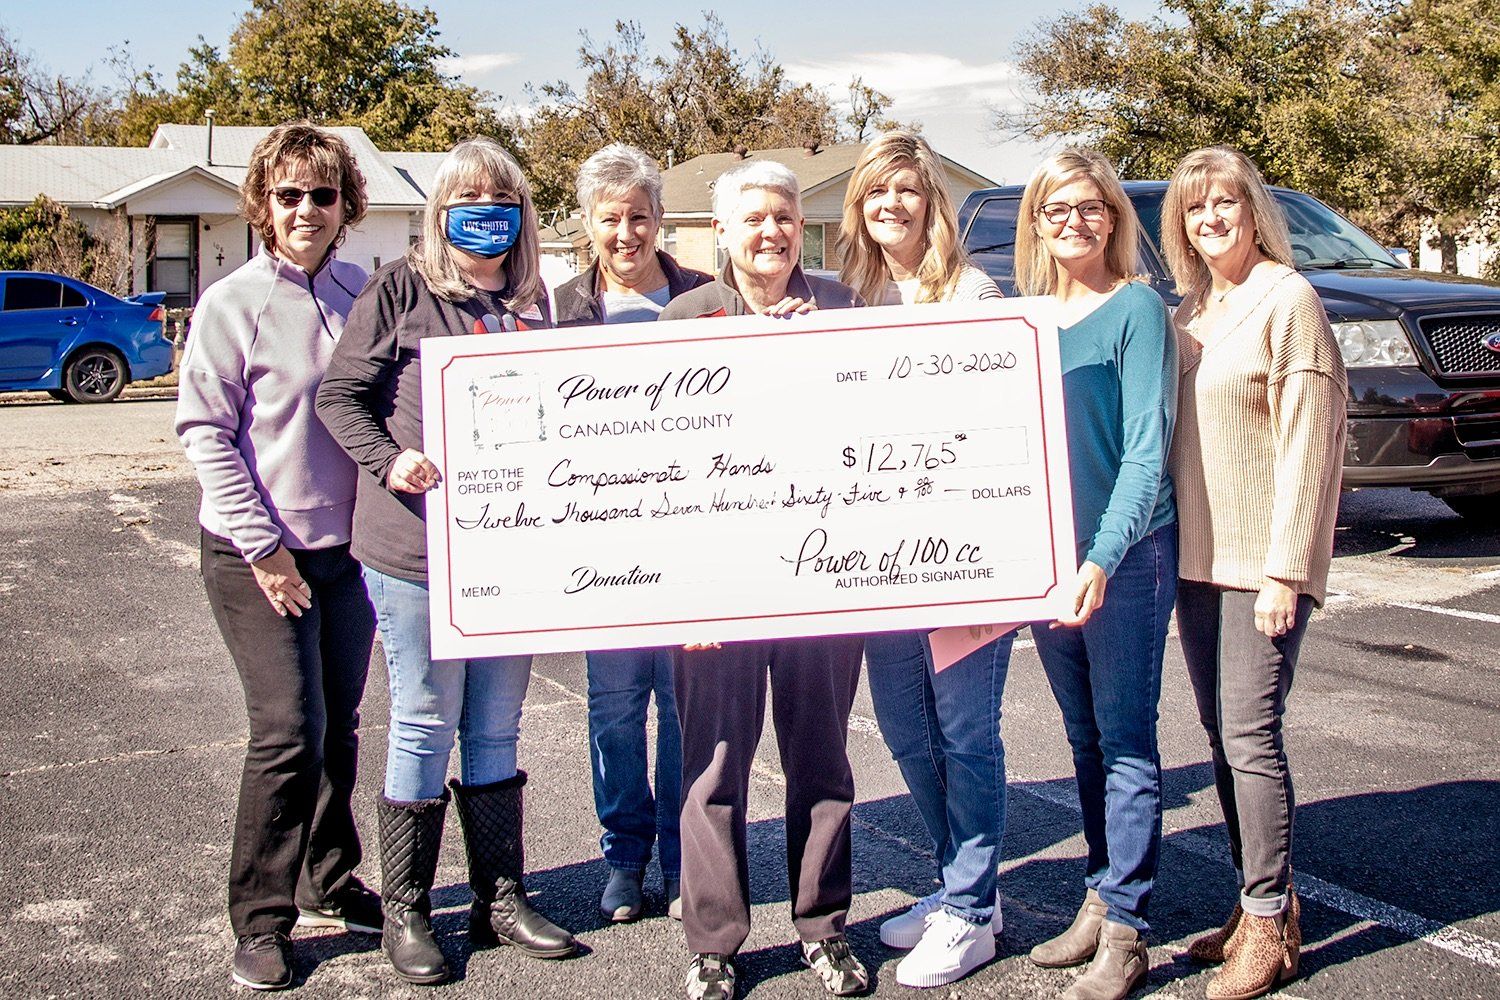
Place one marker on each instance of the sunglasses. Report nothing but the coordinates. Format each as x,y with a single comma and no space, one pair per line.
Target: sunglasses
291,197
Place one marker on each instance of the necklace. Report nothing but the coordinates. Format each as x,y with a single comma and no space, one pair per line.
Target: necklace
1220,296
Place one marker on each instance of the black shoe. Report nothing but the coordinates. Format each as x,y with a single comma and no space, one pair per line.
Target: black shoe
710,976
263,961
352,908
622,900
410,835
501,914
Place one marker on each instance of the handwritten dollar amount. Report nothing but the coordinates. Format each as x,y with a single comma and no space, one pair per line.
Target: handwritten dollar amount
904,454
906,365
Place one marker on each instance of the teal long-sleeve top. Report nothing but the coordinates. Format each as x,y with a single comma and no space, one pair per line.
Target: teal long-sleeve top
1119,368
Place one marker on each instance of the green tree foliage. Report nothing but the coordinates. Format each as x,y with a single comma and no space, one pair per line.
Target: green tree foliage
371,63
1455,45
701,97
1324,95
40,107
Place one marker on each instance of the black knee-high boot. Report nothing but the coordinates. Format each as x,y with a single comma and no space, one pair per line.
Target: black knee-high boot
410,835
491,819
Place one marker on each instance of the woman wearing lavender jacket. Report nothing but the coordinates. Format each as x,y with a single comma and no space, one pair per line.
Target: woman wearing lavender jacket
278,496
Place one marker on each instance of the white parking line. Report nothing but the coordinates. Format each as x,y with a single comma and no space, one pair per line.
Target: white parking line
1481,950
1477,616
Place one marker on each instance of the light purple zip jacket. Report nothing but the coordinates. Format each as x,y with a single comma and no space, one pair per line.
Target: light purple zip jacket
261,340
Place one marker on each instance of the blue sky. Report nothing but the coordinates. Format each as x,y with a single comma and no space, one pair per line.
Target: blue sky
944,62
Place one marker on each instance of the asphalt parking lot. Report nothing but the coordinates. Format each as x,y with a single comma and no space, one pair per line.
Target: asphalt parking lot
122,730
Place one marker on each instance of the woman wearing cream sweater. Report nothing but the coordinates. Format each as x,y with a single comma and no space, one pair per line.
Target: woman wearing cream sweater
1256,463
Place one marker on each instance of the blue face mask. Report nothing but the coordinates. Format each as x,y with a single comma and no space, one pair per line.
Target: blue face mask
487,230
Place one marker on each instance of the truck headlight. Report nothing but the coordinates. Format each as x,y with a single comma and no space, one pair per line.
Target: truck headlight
1378,343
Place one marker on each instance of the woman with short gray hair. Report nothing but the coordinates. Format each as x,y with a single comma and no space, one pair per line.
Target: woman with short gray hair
721,691
630,280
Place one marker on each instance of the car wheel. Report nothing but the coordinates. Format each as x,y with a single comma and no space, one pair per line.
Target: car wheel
1475,507
59,395
94,375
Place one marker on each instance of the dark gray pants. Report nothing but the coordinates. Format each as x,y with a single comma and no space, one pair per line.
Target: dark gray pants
721,701
294,835
1240,680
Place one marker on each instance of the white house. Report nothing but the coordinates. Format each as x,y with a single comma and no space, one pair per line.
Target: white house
178,199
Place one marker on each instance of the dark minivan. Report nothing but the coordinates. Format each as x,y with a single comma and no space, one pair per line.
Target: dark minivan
1423,349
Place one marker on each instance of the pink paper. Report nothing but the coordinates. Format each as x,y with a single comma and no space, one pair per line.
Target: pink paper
951,644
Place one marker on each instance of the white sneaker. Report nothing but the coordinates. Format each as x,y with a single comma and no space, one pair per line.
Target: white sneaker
950,949
904,930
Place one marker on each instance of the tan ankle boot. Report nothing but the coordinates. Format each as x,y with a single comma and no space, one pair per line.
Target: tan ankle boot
1118,966
1078,943
1217,945
1265,956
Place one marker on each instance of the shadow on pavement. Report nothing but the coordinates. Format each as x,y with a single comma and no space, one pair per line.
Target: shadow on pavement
1428,851
1435,531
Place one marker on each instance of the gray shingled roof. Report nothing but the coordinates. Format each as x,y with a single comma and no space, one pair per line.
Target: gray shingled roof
687,189
105,175
419,169
88,175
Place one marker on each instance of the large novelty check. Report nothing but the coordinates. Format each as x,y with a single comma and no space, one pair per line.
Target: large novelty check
745,478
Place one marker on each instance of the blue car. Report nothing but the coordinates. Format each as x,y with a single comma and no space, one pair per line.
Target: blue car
76,342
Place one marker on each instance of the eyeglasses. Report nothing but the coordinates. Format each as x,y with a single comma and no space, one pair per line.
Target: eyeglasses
1058,212
291,197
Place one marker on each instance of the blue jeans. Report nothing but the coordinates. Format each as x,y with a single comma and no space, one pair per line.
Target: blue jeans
943,729
479,700
621,682
1106,677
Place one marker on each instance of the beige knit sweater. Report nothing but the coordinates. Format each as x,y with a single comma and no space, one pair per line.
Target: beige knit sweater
1259,447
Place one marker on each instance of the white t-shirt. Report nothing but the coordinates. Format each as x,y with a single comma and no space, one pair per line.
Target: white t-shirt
630,307
973,285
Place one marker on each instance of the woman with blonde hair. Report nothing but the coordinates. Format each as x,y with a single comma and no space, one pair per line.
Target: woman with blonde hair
899,238
278,496
900,245
1078,240
474,271
1257,466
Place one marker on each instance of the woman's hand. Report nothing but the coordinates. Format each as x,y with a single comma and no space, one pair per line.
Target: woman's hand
1275,608
283,586
695,647
413,472
791,305
1088,596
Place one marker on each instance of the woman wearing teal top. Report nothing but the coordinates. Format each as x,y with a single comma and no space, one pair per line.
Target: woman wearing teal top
1078,243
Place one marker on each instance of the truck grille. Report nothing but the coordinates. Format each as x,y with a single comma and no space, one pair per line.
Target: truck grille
1458,343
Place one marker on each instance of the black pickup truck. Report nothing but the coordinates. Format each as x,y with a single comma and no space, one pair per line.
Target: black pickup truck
1423,349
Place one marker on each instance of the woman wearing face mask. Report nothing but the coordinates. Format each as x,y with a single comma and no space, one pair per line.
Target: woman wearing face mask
1256,461
630,281
475,270
1078,240
900,246
278,495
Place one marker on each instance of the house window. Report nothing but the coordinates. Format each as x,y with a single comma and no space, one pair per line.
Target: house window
173,264
812,246
669,240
